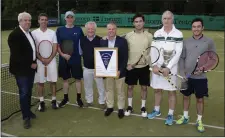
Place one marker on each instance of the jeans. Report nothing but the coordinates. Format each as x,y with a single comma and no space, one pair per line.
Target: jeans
25,85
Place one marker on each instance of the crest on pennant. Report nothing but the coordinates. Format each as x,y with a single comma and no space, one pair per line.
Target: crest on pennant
106,57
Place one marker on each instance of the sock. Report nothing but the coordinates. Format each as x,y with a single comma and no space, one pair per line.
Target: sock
186,114
42,99
157,108
143,103
130,102
170,112
66,96
199,118
65,90
78,96
53,98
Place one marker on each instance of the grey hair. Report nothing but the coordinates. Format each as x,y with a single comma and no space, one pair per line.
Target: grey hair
91,22
22,15
167,12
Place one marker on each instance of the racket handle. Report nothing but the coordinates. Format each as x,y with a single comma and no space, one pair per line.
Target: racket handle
45,71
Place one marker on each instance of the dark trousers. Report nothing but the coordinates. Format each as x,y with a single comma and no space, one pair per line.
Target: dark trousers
25,85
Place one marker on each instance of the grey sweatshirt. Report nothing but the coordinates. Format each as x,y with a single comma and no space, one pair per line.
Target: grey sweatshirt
193,48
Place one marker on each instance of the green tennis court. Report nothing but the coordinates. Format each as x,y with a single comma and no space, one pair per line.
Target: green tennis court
74,121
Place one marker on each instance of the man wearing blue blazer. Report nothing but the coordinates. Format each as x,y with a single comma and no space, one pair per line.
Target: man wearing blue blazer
114,41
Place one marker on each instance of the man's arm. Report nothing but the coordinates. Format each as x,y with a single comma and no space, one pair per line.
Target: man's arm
212,46
181,62
124,55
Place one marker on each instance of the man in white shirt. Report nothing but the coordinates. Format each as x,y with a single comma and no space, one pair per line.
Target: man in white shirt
168,38
40,34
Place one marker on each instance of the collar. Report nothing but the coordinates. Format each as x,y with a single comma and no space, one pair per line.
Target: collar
141,32
39,29
173,28
112,39
199,37
91,37
24,30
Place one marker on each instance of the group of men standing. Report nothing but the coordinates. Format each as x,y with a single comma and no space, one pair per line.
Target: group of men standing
28,66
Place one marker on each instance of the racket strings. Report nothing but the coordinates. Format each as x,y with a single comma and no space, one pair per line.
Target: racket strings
45,49
208,61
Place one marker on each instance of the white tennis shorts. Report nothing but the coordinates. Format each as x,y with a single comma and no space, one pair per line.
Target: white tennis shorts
52,74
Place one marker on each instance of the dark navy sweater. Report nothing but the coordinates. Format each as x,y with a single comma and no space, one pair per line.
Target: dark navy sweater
87,48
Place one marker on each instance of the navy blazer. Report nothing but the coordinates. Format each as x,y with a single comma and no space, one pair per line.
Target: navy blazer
121,44
21,54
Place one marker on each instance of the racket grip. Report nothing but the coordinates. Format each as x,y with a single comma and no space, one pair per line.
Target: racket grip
45,71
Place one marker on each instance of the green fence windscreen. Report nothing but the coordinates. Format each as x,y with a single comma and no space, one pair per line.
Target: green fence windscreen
151,20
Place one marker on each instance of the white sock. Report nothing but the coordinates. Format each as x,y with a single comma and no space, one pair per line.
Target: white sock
170,112
186,114
42,99
130,102
143,103
157,108
199,118
65,90
53,98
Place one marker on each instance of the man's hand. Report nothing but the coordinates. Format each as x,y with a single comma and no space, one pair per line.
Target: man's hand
199,71
155,70
165,71
45,61
129,67
33,65
66,56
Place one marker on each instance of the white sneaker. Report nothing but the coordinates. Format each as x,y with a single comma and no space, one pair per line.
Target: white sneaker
128,111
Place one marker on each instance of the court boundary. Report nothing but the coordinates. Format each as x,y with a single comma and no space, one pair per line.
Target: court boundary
133,114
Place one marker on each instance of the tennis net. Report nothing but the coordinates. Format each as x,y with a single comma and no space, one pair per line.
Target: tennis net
10,94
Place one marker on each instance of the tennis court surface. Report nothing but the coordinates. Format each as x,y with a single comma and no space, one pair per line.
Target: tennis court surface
74,121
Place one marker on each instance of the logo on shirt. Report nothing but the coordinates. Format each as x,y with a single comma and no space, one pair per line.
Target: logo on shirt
106,56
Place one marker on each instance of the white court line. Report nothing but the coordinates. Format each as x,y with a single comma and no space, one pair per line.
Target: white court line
220,36
219,71
7,135
158,118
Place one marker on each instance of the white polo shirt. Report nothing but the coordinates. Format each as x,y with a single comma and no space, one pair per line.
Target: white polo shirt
39,36
169,41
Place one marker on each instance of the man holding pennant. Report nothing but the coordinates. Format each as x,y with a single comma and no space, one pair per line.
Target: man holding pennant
170,42
114,41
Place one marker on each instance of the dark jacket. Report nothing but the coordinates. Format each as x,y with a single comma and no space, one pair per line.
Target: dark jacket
21,54
122,46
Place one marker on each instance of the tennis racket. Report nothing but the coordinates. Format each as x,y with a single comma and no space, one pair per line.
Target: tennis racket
142,60
45,50
182,82
67,47
206,62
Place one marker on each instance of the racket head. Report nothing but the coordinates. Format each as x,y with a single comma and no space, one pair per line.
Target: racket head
45,49
67,47
144,58
207,61
154,54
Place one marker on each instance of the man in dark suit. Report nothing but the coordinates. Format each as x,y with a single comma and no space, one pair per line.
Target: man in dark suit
114,41
23,63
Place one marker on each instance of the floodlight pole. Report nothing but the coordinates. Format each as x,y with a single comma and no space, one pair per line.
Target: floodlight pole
58,12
